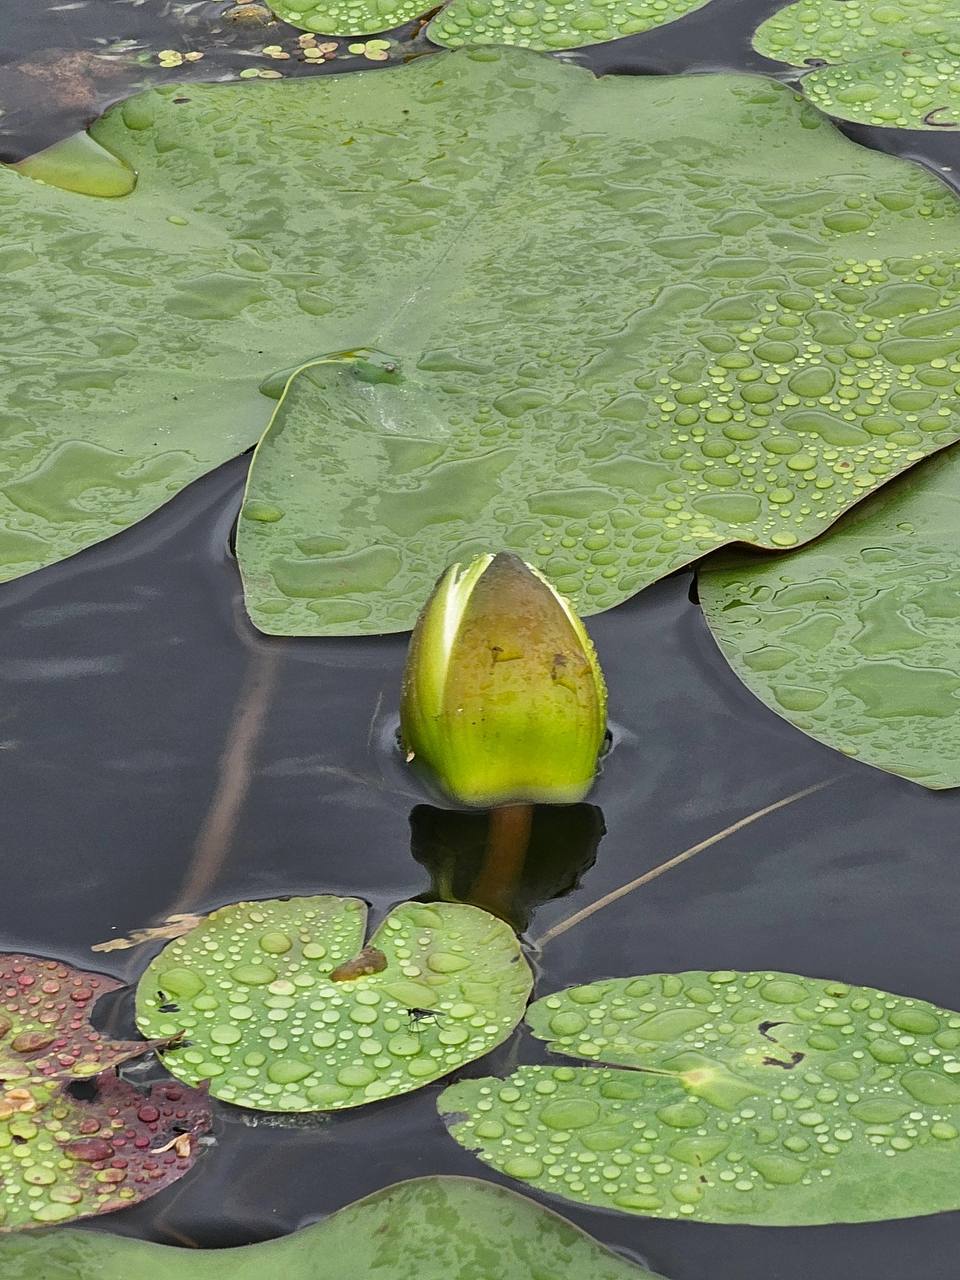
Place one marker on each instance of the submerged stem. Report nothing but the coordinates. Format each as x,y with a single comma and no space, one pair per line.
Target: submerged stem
507,843
233,782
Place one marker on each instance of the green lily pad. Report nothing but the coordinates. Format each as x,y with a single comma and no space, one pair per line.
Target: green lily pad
426,1229
753,405
545,24
854,639
761,1098
45,1029
714,363
915,88
285,1009
535,24
349,17
63,1158
896,64
842,30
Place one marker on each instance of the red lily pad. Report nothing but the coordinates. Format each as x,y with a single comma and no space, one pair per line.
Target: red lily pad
45,1029
64,1157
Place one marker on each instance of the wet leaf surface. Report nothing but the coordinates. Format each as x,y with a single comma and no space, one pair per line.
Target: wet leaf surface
542,24
74,1139
278,1017
45,1029
761,1098
854,639
64,1157
534,24
769,409
735,383
349,17
426,1229
894,64
842,30
915,88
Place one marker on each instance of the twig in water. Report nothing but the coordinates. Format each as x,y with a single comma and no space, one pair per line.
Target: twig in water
236,767
585,912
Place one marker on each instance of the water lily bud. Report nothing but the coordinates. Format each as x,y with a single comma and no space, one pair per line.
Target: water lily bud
503,697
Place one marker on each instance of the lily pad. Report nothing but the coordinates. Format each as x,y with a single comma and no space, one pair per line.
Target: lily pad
813,31
761,1098
63,1158
426,1229
349,17
753,404
45,1029
709,365
285,1009
916,88
544,24
895,65
854,639
534,24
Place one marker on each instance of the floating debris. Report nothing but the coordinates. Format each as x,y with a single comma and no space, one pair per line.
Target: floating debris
172,927
372,50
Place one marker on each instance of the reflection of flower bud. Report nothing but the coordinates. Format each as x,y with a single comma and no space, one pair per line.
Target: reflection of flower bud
457,846
503,698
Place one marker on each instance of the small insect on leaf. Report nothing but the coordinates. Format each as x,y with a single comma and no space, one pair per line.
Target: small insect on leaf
422,1015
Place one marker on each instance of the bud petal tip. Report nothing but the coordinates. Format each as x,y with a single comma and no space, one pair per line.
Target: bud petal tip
503,697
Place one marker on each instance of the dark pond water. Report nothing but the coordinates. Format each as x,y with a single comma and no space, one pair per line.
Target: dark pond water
159,755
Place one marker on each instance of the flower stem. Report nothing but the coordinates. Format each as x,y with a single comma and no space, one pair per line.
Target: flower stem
508,839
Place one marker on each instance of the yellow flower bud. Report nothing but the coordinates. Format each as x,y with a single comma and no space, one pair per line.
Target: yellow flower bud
503,697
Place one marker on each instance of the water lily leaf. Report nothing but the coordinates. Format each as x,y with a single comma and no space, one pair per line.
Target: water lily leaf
539,24
45,1030
917,88
543,24
896,65
745,391
63,1157
285,1009
854,639
715,362
349,17
426,1229
761,1098
812,31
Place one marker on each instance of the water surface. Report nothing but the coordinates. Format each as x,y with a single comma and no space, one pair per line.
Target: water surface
159,755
